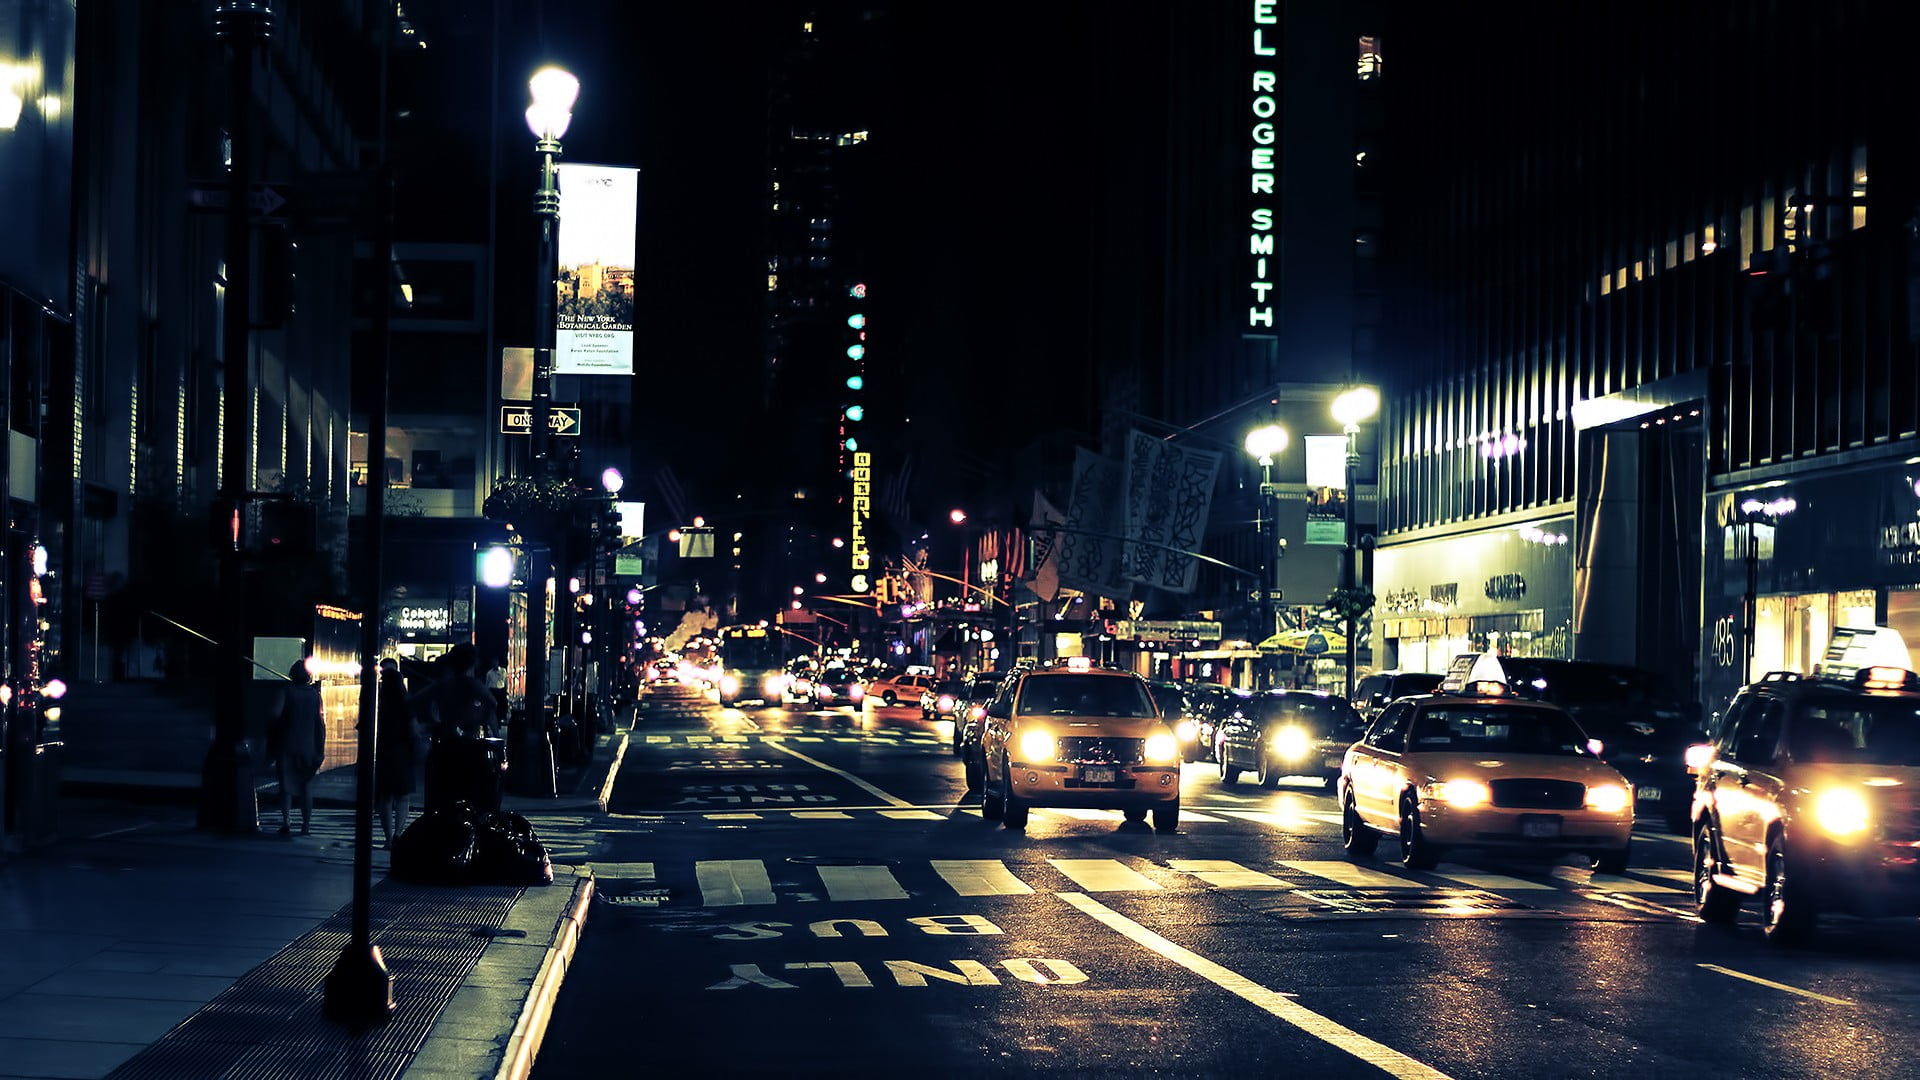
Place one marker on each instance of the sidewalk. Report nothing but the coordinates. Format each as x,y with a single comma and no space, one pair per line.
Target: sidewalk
138,946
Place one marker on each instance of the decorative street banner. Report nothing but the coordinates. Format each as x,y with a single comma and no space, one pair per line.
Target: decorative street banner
593,306
1089,547
1326,489
1169,492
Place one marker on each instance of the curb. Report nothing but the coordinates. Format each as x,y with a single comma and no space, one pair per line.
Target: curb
531,1028
613,770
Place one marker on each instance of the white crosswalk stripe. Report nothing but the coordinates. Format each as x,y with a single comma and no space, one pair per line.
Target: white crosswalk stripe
860,883
1103,875
726,882
980,877
1222,874
1346,873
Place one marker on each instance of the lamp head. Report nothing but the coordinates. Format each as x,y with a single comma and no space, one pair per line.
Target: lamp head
1356,405
1266,442
553,91
611,480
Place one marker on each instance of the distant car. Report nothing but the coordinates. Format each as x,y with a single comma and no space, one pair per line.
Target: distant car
1373,693
1806,802
1177,710
1211,703
971,723
662,671
1474,766
894,689
1280,733
941,701
837,684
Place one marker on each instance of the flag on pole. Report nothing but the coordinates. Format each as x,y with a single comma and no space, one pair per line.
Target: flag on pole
1168,495
1089,547
1045,581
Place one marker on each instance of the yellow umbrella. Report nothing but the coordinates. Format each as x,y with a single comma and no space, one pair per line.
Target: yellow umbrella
1311,642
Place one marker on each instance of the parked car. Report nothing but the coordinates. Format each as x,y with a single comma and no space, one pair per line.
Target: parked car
1375,692
1809,799
897,688
1079,736
1644,728
1476,766
1279,733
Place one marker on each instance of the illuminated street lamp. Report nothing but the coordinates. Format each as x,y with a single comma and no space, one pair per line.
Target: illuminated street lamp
553,91
1349,409
1266,443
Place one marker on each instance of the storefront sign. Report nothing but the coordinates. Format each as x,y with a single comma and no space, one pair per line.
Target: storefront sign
1506,587
430,618
861,557
1166,630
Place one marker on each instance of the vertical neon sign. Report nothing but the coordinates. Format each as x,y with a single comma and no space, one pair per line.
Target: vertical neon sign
1264,105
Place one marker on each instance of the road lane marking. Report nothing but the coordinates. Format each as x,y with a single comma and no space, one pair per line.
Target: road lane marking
844,775
860,883
980,877
1683,877
1716,968
735,816
727,882
1104,875
823,815
733,738
1083,815
1493,882
808,738
1278,821
626,871
659,738
1346,873
699,738
912,815
1631,885
1385,1058
1226,875
1195,815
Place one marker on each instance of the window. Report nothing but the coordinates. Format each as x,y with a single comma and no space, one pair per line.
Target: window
1370,62
1390,731
1756,733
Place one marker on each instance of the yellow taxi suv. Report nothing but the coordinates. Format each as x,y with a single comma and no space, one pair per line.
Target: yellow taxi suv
1076,735
1809,800
1473,766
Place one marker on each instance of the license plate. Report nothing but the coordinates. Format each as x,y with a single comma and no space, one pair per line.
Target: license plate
1097,776
1540,828
1647,794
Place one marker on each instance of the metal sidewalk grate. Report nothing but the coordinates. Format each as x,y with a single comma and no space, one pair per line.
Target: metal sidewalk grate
269,1023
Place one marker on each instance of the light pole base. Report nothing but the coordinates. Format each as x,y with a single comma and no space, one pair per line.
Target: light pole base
359,990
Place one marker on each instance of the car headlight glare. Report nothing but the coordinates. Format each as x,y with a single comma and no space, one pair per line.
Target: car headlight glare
729,685
1037,746
1698,755
1461,794
1841,811
1608,798
774,686
1187,730
1162,748
855,692
945,704
1292,743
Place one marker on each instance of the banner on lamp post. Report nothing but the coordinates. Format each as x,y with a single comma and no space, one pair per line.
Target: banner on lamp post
593,305
1326,489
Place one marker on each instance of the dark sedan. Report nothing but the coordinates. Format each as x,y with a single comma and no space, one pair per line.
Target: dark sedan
1278,733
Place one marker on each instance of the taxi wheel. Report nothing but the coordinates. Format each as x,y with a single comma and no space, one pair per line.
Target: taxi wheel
1355,836
1134,813
1268,773
1166,818
1013,810
1415,852
1712,902
992,802
1229,776
888,699
1786,918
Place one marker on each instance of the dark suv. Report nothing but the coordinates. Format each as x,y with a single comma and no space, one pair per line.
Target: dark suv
1643,727
1373,693
1810,800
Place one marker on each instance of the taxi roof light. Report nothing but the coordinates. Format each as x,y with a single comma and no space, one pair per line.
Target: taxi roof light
1887,677
1078,663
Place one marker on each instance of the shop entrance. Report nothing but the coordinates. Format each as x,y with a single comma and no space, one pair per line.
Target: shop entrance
1637,567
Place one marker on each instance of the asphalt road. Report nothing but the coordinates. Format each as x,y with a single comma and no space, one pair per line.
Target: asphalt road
792,893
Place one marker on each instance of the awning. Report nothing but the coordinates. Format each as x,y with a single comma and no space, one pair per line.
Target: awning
1310,642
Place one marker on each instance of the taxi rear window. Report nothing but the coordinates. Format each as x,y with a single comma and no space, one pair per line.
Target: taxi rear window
1486,729
1085,695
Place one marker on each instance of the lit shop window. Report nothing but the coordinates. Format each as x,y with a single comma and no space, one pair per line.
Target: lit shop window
1370,60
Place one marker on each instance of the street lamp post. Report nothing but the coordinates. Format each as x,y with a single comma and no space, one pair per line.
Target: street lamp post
1350,409
1265,443
1754,515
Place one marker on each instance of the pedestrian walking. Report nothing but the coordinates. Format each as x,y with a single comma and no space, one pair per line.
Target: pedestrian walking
496,680
297,740
462,718
396,752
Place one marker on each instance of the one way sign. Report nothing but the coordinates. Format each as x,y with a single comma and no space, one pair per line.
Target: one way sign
262,199
518,420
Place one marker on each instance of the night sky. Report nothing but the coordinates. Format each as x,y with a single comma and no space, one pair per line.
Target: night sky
980,123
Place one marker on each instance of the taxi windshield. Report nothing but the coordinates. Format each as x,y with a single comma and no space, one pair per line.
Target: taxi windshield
1857,731
1487,729
1085,695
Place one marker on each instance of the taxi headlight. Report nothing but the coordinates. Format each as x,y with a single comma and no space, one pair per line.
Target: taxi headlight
1698,755
856,692
1037,746
1841,811
729,685
1187,730
1162,747
945,703
775,686
1292,743
1460,793
1608,798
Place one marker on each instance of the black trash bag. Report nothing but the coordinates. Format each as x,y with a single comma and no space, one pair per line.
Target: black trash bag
567,743
439,848
508,852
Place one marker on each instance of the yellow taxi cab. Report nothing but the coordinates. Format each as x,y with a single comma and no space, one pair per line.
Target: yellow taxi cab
1809,800
1473,766
1077,735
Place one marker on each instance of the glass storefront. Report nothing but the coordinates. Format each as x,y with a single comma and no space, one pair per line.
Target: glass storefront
1506,590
